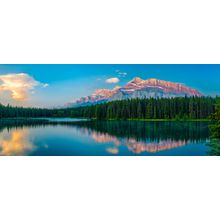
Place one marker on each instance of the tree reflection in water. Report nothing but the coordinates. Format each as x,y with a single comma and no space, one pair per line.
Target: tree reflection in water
136,136
141,136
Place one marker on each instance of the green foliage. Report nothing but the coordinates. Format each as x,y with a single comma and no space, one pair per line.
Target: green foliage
20,112
181,108
216,122
165,108
215,127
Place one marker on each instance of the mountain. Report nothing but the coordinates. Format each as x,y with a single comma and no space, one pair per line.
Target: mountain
138,88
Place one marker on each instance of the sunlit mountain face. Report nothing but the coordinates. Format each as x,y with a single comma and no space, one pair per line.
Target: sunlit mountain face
138,88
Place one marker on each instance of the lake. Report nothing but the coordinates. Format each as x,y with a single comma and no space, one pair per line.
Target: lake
103,138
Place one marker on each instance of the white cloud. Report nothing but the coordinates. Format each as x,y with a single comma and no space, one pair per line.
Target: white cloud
20,85
123,74
112,80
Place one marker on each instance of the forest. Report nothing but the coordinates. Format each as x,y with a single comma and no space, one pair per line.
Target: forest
216,122
215,128
164,108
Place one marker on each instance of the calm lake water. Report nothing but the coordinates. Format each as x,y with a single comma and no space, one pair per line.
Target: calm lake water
132,138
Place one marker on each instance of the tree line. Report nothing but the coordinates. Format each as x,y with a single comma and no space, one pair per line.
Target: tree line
21,112
163,108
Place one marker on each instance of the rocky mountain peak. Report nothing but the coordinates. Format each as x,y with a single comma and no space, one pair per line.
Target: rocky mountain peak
136,80
139,88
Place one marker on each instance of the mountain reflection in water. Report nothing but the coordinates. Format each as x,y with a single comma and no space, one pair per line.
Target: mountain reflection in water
102,138
149,137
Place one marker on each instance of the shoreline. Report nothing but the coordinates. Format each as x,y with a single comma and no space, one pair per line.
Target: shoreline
174,120
129,119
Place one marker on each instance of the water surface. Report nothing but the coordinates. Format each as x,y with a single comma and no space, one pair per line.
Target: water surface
85,138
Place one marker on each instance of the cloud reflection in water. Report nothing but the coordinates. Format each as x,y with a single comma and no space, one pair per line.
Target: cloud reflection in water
16,142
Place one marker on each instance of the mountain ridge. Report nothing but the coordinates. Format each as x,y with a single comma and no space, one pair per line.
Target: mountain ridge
138,88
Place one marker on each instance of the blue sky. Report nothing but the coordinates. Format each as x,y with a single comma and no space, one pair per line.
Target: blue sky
53,85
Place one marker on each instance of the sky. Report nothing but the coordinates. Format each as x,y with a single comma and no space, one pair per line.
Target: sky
45,85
